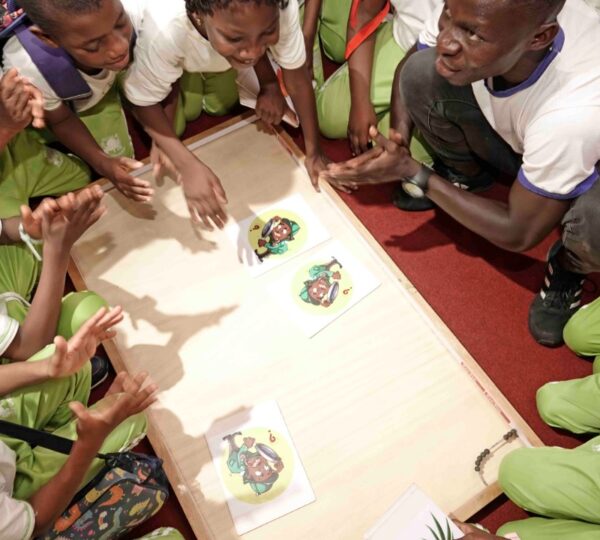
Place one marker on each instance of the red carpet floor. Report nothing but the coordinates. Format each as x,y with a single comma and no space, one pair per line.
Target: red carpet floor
481,292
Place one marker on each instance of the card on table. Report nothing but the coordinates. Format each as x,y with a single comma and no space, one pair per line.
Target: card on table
318,288
414,516
259,467
276,234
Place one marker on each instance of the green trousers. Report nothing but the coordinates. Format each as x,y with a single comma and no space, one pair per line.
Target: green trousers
562,486
164,533
214,93
333,26
334,98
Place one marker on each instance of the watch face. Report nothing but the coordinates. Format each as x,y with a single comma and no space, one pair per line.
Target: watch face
414,191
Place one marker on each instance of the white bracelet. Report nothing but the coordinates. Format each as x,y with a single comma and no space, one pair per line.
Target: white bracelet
30,242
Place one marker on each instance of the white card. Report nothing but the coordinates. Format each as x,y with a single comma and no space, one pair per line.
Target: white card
320,287
259,467
414,516
276,234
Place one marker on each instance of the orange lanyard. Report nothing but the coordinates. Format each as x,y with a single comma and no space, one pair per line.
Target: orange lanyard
367,29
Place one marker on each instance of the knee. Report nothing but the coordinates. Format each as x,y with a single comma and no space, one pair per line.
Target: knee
416,78
549,403
77,308
576,333
512,467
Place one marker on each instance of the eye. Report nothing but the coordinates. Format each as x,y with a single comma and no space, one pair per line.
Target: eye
235,39
93,47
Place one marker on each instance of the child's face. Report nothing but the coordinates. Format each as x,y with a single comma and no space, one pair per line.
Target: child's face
243,32
97,40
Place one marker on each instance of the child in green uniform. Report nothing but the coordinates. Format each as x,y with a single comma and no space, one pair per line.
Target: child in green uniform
560,486
358,95
97,36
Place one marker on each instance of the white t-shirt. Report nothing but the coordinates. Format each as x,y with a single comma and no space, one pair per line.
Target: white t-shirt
8,330
17,519
14,55
552,118
409,18
168,45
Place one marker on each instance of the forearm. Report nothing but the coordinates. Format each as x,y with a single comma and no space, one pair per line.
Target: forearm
312,10
39,327
493,220
22,374
10,231
360,68
73,133
155,122
264,72
299,86
399,118
52,499
170,104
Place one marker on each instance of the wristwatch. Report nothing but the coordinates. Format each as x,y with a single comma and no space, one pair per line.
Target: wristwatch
416,186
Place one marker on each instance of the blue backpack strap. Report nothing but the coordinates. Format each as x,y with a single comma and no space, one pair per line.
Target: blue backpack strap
55,65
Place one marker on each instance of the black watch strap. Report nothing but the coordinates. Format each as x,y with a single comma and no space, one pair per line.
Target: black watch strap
421,179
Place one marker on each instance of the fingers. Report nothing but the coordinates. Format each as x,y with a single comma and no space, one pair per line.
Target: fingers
134,188
36,104
130,164
78,410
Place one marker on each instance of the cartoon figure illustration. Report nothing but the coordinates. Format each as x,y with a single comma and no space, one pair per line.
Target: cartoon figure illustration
260,468
323,286
275,236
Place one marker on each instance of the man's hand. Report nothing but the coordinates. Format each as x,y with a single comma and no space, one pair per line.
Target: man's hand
362,117
20,103
70,356
389,161
271,106
127,396
474,533
204,194
118,171
77,213
316,164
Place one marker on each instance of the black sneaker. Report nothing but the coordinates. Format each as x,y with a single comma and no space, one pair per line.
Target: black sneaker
100,370
557,301
475,184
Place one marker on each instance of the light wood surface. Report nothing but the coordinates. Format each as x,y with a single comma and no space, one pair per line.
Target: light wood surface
382,398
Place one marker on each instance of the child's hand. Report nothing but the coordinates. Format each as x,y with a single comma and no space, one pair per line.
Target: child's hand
271,106
162,166
20,103
70,356
77,213
118,171
362,117
125,398
315,164
204,194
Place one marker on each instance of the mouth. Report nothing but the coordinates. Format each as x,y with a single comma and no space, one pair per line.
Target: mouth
119,63
444,69
236,62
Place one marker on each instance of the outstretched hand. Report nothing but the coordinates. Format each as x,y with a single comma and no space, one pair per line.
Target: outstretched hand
127,396
118,170
316,164
70,356
389,161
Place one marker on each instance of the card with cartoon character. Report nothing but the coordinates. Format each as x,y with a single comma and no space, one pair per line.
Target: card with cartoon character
274,235
322,286
414,515
258,465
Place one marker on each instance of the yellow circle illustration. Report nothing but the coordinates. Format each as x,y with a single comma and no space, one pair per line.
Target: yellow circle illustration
322,287
257,465
277,233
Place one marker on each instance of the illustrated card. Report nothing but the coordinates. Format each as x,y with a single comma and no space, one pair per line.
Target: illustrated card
322,286
260,470
414,516
277,234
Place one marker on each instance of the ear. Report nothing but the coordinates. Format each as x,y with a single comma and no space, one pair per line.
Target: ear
42,36
544,36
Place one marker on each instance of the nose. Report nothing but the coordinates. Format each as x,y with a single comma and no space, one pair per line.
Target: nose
447,44
252,52
118,46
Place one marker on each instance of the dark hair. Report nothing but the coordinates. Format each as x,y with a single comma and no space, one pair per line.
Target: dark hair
44,12
208,7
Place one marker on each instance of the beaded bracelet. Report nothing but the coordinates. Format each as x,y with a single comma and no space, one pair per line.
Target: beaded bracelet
30,242
487,452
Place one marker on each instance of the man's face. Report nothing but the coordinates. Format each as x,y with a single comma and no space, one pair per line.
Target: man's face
258,469
97,40
243,32
318,289
480,39
281,231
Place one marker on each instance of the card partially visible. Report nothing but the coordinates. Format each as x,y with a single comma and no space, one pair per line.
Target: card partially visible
259,467
276,234
317,289
414,516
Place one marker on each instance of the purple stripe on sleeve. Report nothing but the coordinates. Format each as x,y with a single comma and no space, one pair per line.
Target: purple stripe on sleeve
579,189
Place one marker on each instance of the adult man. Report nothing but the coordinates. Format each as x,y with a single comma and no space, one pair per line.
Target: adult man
511,86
